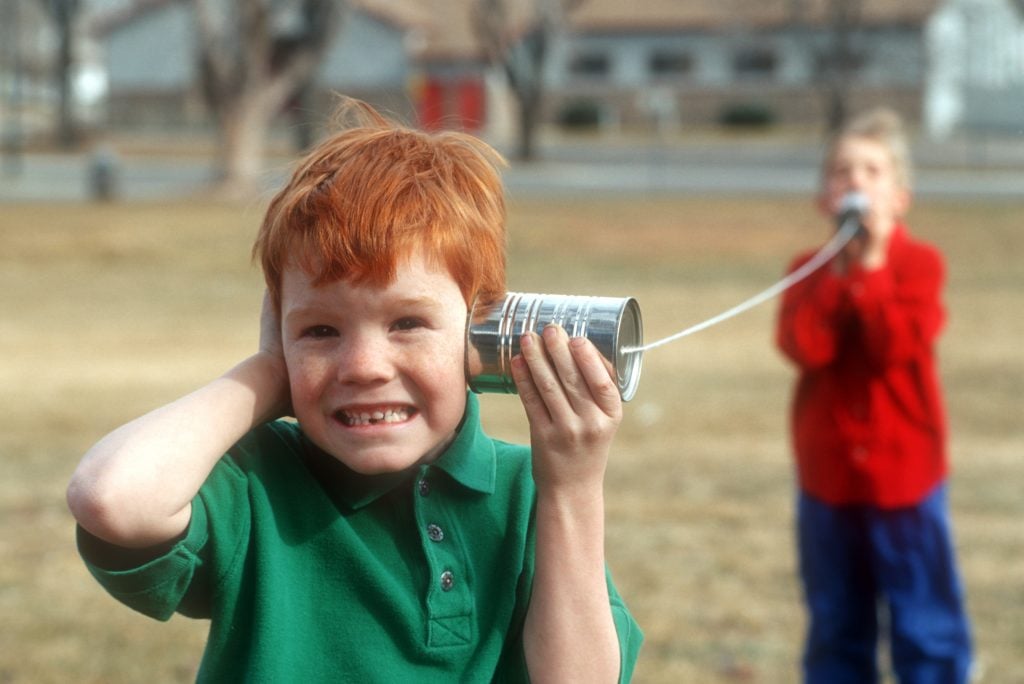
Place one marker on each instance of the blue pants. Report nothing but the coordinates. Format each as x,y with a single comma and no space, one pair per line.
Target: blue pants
857,559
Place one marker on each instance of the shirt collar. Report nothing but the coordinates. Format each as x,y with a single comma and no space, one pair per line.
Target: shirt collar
470,460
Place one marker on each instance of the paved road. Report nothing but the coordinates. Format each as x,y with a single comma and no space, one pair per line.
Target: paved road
981,169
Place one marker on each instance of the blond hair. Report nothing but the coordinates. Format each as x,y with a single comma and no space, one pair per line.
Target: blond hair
885,127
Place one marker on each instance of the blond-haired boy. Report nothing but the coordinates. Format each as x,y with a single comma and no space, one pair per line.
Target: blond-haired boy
869,432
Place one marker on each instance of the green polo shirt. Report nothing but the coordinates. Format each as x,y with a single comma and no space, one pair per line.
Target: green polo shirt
311,572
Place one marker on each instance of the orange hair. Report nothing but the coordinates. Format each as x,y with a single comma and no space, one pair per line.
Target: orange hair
367,197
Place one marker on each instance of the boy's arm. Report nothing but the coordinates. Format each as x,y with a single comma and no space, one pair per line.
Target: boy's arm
808,327
900,316
135,486
574,410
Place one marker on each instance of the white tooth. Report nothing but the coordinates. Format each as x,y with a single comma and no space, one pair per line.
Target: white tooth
388,415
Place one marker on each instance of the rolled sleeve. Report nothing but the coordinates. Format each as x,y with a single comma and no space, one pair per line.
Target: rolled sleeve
156,587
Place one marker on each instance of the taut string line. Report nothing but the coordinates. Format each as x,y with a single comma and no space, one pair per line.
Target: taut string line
848,230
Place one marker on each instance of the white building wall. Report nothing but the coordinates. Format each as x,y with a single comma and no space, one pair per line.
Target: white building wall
366,53
893,58
975,67
155,53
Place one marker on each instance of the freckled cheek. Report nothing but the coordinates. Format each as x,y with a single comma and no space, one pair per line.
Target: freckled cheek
445,366
306,378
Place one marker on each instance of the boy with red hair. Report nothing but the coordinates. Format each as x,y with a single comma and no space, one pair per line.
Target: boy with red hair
383,536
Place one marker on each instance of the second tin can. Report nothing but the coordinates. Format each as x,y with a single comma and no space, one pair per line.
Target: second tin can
613,324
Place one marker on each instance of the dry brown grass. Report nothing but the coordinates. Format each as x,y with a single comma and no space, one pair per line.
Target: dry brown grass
108,311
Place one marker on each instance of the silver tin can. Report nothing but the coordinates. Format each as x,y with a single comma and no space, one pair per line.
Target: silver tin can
613,324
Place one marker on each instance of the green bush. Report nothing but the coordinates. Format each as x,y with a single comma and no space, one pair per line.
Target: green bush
746,115
580,114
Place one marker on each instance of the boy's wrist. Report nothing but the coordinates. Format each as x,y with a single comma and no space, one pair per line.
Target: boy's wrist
574,496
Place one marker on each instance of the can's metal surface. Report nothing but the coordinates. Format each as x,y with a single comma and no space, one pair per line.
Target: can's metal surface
613,324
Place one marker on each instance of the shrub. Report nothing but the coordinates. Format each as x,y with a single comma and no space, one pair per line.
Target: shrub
746,115
580,114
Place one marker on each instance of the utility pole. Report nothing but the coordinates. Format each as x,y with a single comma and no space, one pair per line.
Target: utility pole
844,18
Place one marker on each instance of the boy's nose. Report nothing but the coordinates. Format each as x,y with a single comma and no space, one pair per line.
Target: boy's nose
858,178
364,359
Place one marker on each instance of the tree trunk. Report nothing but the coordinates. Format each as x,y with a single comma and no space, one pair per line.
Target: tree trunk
67,130
241,156
528,116
250,69
242,144
521,54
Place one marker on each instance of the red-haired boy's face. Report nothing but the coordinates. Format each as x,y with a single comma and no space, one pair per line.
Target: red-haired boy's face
377,373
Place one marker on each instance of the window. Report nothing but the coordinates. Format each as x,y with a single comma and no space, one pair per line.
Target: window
755,62
669,63
835,63
590,65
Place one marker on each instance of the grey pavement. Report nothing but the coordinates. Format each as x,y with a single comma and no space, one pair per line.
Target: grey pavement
980,168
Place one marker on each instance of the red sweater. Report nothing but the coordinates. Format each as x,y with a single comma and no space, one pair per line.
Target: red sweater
867,419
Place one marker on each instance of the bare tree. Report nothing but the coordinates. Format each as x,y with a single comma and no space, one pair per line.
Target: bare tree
256,56
64,14
519,43
840,59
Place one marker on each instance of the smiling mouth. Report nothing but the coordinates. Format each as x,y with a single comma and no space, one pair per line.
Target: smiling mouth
377,416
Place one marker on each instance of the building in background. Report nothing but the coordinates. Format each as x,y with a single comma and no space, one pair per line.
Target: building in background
697,62
654,65
415,59
975,79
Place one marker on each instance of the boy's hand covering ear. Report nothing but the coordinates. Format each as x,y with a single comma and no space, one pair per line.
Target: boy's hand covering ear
272,350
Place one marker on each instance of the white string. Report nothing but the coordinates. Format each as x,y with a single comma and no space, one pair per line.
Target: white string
846,233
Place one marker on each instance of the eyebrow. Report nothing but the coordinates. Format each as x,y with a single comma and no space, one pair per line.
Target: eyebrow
416,302
422,300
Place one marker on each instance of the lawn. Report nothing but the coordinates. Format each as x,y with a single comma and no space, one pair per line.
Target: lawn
111,310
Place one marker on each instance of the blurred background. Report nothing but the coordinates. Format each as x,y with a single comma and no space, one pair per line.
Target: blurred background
208,92
664,149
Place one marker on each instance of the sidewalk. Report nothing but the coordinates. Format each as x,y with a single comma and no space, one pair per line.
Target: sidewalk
975,168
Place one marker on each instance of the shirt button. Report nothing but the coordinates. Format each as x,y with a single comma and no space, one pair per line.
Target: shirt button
447,580
435,532
424,488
